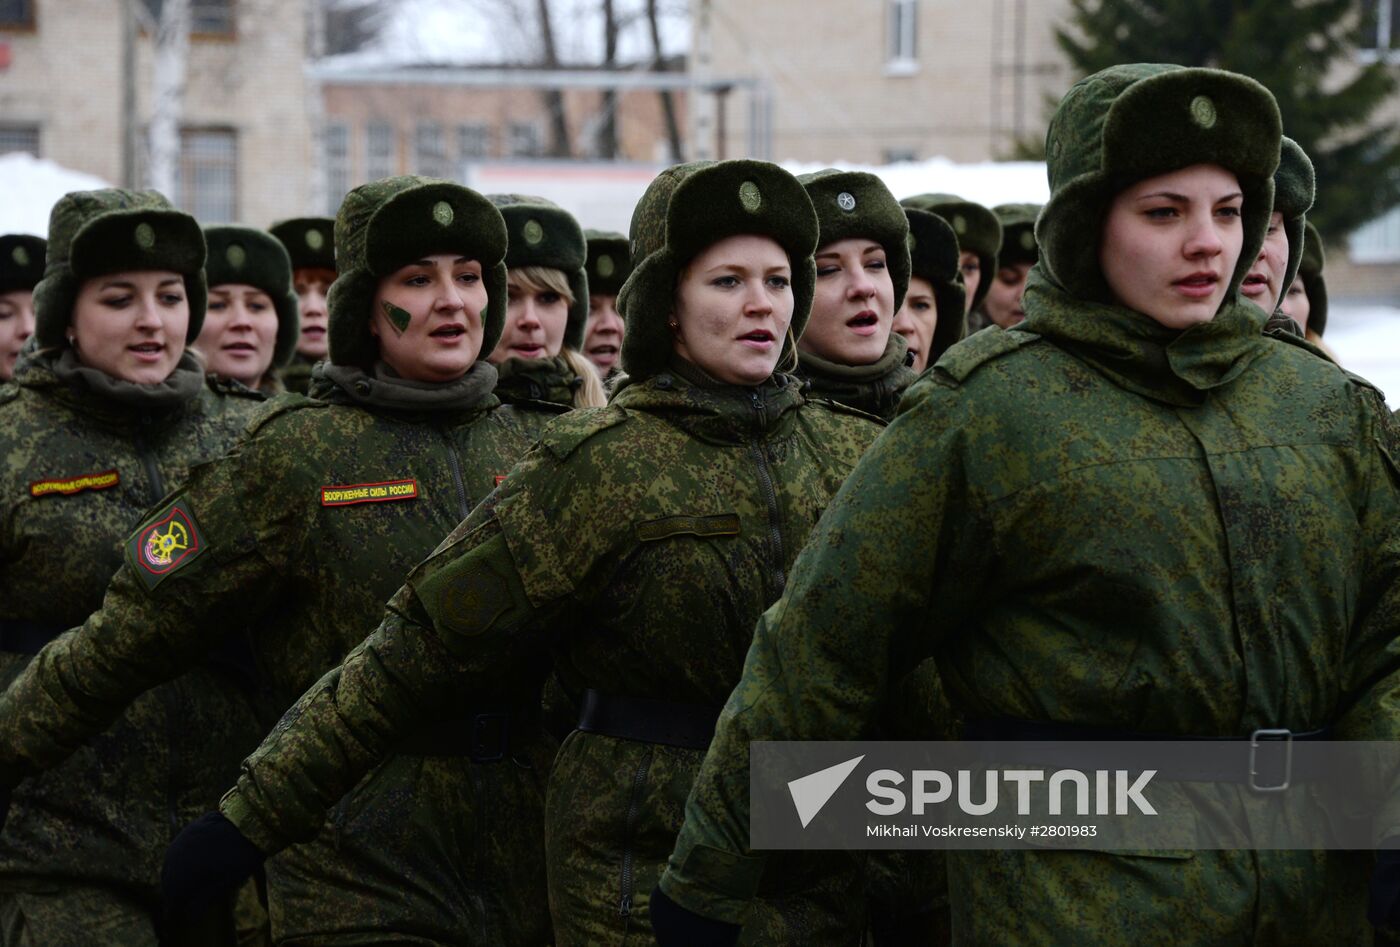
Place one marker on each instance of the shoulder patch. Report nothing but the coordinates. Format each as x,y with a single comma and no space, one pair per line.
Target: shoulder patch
963,359
564,434
166,544
67,486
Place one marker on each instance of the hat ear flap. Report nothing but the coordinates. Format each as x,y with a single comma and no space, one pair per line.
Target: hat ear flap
288,328
493,318
197,291
349,302
54,298
578,311
646,302
951,327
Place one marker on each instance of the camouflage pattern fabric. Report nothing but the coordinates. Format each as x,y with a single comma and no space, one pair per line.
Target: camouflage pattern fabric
76,916
306,527
875,388
79,470
631,549
1187,533
524,380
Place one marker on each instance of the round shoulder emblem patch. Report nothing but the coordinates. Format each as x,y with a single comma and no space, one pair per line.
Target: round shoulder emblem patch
145,236
605,265
236,256
20,255
1203,111
1027,240
442,213
846,201
533,232
315,240
960,224
750,197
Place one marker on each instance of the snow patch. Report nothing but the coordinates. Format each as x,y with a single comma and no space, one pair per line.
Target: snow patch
989,183
32,186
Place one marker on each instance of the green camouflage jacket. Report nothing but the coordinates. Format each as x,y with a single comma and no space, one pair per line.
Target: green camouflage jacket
874,389
78,469
297,535
635,544
1179,533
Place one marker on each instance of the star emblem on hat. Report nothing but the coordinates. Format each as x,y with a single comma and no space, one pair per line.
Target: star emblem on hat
145,236
533,232
236,256
606,266
846,201
750,197
315,240
442,213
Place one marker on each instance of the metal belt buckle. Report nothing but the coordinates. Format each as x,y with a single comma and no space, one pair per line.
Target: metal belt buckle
1270,736
490,747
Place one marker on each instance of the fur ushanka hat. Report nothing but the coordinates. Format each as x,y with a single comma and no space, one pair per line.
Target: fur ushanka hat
689,207
609,261
1127,123
97,233
854,204
21,261
544,234
389,223
310,241
254,258
933,254
976,227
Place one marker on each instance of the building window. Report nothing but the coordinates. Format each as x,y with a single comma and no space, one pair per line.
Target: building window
19,138
207,179
207,17
1381,25
379,150
337,166
473,141
429,150
524,140
902,53
16,14
1378,241
896,155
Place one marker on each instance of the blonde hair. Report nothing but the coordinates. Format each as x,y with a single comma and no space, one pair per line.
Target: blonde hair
541,279
590,394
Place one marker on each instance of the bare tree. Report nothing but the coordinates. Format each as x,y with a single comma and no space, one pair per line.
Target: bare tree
351,24
607,128
668,101
172,47
553,98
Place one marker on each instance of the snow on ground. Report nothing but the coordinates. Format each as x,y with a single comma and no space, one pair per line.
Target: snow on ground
30,188
989,183
1366,340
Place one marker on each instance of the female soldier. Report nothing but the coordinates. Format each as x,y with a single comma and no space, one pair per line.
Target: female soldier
931,318
1140,575
251,326
848,353
537,357
295,534
979,236
632,546
1007,285
609,265
1306,300
310,244
21,267
102,420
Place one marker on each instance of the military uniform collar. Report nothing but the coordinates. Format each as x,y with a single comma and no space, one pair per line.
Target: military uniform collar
385,389
97,394
1175,366
875,388
537,379
712,410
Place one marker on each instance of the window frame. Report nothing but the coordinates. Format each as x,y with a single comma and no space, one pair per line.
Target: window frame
24,128
901,37
187,199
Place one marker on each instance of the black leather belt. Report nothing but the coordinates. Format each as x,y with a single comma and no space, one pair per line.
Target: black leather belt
1264,760
690,726
485,737
18,636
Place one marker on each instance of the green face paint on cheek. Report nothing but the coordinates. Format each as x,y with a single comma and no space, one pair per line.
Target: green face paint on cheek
398,318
